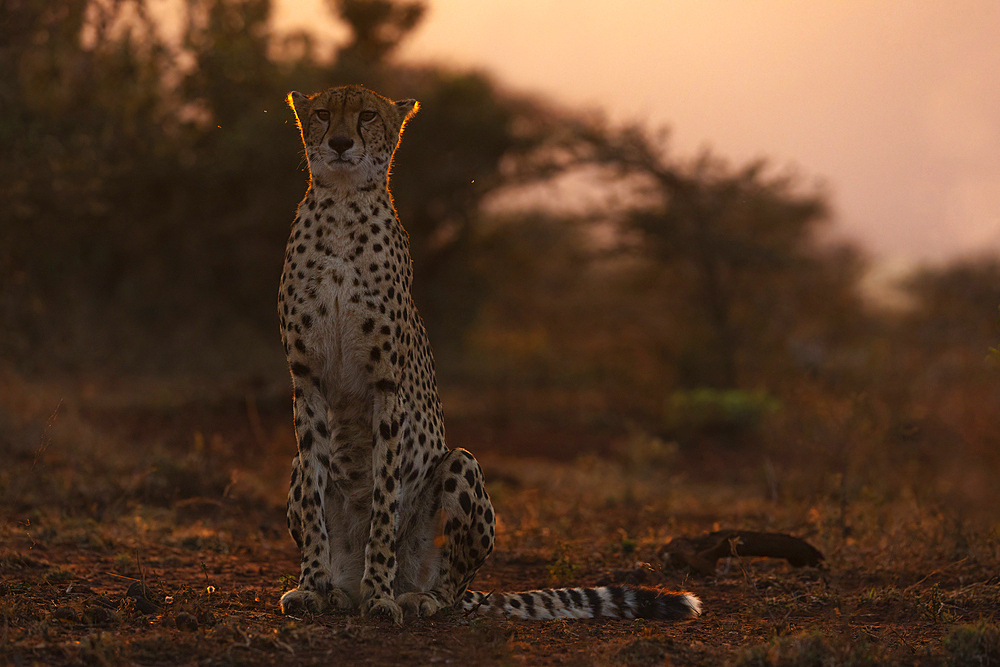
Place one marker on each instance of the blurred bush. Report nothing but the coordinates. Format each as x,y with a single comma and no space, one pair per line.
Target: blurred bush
148,184
707,411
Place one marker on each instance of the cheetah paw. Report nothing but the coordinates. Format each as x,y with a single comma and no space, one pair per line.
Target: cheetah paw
383,606
339,600
298,601
420,604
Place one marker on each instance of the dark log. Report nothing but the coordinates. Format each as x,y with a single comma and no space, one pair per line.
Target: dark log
701,553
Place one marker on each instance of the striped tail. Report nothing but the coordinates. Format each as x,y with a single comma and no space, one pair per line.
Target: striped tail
606,601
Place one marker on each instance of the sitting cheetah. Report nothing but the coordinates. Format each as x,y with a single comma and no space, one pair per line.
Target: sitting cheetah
386,517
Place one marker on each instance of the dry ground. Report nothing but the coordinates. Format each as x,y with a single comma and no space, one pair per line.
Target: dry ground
186,497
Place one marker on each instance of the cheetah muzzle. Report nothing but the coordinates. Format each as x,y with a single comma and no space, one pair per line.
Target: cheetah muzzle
387,518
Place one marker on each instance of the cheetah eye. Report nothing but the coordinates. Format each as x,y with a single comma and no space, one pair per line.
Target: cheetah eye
367,115
323,114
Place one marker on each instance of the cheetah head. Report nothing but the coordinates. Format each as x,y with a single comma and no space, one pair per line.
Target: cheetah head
350,134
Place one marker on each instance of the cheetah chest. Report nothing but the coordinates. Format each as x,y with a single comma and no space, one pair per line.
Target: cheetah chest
337,282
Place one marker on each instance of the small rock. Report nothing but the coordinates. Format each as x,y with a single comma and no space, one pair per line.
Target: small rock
141,595
186,621
139,590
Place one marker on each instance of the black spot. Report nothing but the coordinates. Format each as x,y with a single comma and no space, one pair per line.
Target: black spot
300,369
450,485
368,326
388,386
465,502
376,354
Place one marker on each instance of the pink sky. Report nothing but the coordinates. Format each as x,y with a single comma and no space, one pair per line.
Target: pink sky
893,105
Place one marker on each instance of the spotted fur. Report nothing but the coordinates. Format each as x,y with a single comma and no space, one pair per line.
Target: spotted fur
386,517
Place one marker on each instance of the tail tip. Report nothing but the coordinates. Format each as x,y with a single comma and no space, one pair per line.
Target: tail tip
693,604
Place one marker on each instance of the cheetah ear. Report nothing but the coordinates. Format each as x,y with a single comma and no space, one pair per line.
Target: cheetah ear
406,109
300,106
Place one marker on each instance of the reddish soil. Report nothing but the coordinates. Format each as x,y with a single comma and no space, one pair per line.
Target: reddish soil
216,557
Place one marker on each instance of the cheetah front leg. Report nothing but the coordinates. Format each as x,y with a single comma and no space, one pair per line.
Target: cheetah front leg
379,578
307,503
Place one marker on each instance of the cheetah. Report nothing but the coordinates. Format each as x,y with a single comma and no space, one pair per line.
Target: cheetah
386,517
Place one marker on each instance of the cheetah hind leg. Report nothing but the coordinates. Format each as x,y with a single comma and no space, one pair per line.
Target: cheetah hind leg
454,536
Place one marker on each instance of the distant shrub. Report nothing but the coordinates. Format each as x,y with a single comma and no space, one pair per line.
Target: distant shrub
706,410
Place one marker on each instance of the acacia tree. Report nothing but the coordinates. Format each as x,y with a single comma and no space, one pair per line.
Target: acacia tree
743,273
738,237
377,28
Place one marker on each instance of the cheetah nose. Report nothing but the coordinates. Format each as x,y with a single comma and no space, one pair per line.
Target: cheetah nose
340,144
